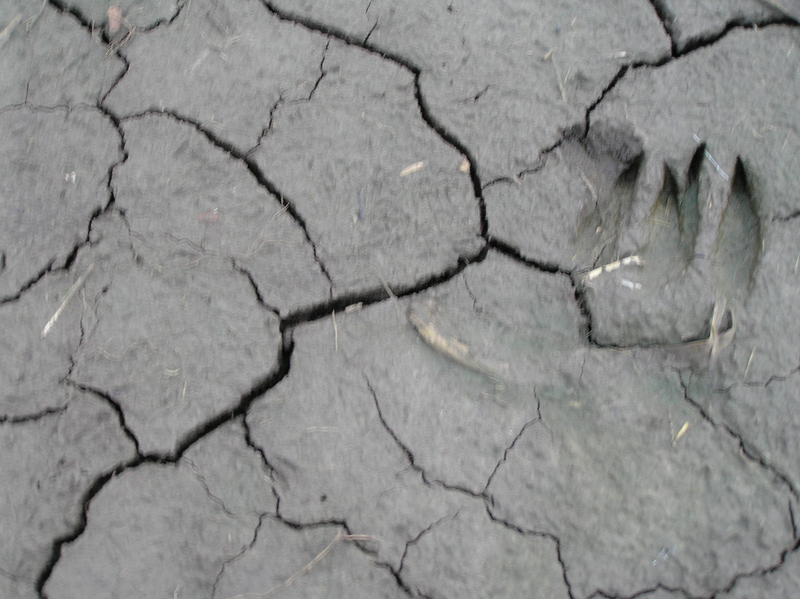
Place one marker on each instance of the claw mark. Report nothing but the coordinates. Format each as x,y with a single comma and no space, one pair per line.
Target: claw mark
713,162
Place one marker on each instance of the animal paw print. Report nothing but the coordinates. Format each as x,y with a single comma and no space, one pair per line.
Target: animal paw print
678,251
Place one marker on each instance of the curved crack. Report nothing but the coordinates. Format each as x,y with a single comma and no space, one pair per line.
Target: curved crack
188,440
745,448
543,535
232,559
254,170
115,405
410,455
511,445
447,136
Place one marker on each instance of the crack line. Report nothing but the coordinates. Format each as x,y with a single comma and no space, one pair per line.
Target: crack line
254,170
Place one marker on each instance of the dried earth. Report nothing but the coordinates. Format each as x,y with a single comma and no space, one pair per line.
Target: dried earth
399,299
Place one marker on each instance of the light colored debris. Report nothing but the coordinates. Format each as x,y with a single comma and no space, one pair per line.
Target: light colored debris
630,284
551,57
630,260
713,162
114,14
717,340
9,29
452,348
412,168
592,188
681,432
749,362
307,568
353,307
335,332
70,293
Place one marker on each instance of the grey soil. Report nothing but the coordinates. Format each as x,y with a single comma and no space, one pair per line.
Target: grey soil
399,299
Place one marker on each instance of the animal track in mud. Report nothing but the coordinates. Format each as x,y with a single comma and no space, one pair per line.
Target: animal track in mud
695,235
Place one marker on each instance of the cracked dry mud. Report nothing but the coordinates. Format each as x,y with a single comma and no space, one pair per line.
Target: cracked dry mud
217,219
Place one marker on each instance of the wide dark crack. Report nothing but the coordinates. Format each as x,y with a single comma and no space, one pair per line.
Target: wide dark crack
574,277
446,135
126,67
114,405
379,293
692,45
603,93
709,39
679,49
254,170
93,489
101,28
67,263
202,430
667,18
27,285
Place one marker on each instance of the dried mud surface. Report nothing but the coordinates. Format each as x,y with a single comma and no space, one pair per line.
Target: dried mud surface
396,299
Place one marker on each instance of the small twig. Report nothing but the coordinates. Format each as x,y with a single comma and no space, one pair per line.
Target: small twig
551,57
307,568
9,29
412,168
335,332
70,293
392,296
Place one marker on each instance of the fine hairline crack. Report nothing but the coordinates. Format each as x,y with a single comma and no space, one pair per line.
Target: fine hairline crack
233,558
410,455
534,533
744,446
